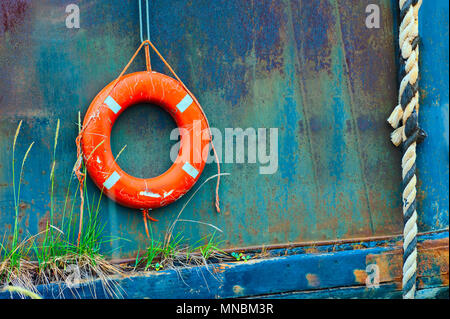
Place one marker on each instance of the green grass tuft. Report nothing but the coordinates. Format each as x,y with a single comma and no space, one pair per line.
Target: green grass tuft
55,248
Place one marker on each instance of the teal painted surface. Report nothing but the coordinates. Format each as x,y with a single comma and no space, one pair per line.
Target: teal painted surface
312,70
433,160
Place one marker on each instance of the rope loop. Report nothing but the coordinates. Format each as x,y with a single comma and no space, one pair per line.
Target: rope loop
77,168
146,215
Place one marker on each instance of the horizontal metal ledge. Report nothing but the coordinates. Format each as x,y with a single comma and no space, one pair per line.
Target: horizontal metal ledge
278,275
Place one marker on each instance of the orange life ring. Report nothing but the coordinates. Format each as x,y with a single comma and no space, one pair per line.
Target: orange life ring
162,90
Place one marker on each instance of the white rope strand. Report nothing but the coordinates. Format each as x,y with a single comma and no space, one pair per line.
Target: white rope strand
404,119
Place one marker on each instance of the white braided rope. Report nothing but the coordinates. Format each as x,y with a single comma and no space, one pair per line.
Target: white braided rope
408,33
410,227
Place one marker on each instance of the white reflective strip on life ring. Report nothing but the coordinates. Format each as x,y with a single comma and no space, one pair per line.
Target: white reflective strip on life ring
188,168
112,180
184,103
149,194
112,104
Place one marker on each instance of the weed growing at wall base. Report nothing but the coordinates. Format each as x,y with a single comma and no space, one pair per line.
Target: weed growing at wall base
45,256
55,255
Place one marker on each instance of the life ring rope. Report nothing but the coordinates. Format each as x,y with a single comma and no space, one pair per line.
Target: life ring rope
78,165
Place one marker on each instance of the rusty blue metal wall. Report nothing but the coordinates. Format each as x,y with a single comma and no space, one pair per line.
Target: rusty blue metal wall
309,68
433,161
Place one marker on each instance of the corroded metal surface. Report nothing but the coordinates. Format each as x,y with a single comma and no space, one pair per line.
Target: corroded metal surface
309,68
433,159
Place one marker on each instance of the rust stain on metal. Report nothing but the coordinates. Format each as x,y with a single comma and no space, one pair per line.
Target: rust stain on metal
433,256
12,13
389,265
42,222
238,290
360,276
313,280
221,268
311,250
